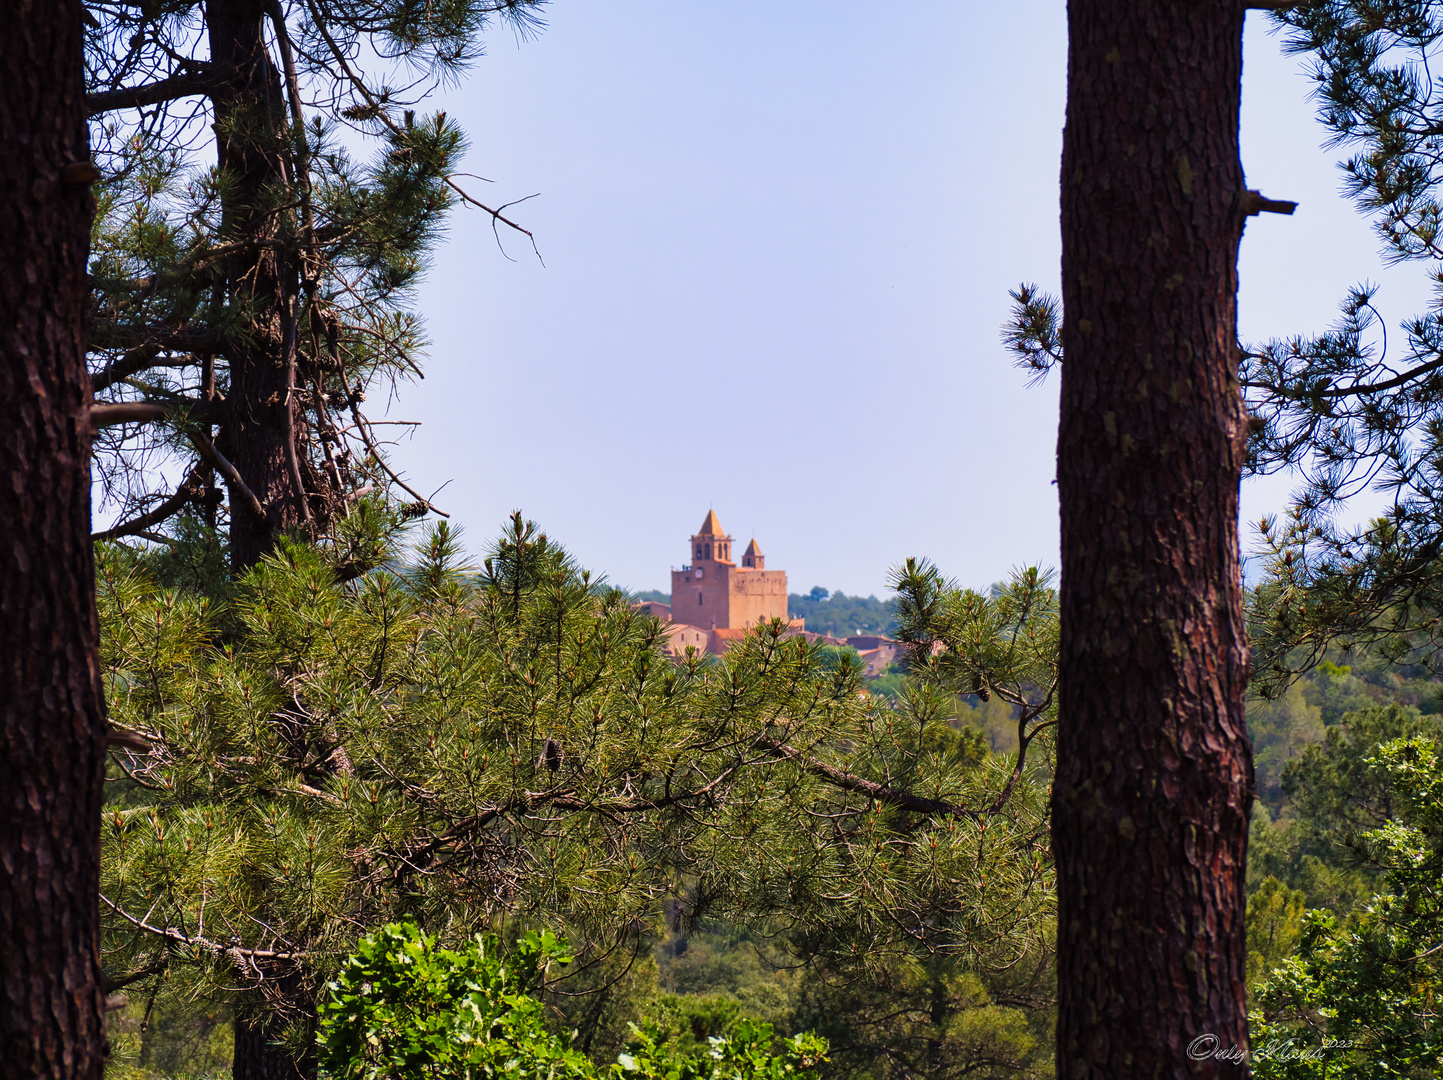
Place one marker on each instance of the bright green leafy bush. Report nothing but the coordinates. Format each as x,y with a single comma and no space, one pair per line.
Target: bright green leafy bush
403,1008
1360,998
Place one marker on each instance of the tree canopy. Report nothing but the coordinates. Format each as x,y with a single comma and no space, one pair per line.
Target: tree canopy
509,746
253,267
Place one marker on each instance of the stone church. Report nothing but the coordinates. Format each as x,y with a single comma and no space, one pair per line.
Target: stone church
714,601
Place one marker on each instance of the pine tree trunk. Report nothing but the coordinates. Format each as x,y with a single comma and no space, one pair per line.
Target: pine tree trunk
52,719
260,1054
1154,773
250,119
260,1034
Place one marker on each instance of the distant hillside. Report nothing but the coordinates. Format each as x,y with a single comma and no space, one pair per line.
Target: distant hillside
826,612
841,615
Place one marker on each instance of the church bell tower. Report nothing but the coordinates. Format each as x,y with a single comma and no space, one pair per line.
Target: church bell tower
711,544
714,594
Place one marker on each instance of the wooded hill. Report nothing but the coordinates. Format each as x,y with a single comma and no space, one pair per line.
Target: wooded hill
827,612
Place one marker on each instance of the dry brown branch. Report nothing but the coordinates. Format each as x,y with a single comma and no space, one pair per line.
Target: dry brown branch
220,464
126,412
137,525
179,937
203,81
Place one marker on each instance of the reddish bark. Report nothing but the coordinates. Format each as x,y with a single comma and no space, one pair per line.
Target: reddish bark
1154,773
52,720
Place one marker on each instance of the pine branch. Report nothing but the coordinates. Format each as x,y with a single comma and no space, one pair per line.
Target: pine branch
1254,203
883,793
126,412
113,983
133,363
137,525
205,81
233,952
220,464
1411,375
188,339
361,427
378,110
108,414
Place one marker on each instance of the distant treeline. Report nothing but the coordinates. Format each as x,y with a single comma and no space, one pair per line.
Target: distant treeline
841,615
826,612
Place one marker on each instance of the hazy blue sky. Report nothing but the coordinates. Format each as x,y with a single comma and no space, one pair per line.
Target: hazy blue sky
778,241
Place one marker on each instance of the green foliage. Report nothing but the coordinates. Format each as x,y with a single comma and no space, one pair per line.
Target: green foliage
422,743
470,749
602,1000
165,1035
1327,881
196,560
692,1019
746,1053
1316,791
961,642
401,1006
929,1016
293,246
1281,729
840,658
695,985
974,661
1332,797
1334,790
1004,642
714,974
1363,997
839,615
1274,927
891,683
1336,405
1033,332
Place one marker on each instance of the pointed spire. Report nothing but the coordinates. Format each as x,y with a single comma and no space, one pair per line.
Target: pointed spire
752,549
711,526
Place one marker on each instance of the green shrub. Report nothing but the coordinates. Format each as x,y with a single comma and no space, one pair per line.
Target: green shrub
403,1008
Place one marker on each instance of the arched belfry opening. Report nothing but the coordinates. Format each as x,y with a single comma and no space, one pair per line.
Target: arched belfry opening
711,543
